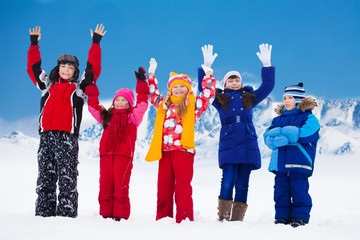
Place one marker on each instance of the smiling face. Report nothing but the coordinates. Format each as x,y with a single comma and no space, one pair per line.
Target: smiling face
289,102
66,71
179,90
121,103
233,83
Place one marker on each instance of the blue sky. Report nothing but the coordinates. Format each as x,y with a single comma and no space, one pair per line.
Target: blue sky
315,41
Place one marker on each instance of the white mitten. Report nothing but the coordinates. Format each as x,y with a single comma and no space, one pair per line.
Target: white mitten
265,54
209,57
153,66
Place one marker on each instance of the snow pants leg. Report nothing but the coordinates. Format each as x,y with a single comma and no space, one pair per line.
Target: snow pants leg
57,162
291,196
174,178
115,173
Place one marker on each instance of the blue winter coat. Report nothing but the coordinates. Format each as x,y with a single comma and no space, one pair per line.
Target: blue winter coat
238,140
297,154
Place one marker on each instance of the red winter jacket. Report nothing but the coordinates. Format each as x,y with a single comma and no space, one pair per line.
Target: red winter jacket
135,117
61,102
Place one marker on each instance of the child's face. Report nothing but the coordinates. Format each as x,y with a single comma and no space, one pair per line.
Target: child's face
66,71
233,83
121,103
289,102
179,90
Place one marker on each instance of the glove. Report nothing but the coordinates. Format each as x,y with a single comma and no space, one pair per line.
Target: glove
92,90
89,77
153,66
141,75
269,141
280,141
274,132
265,54
209,57
292,133
207,70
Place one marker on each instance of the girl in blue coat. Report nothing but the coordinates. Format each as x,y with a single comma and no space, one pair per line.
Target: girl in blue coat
293,136
238,148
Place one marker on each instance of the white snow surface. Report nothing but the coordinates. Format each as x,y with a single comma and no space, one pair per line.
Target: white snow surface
334,189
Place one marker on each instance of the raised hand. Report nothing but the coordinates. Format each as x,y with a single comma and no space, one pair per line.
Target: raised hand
36,31
209,57
265,54
141,74
152,67
99,30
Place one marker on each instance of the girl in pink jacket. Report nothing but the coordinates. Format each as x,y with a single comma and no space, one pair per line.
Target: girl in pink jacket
117,144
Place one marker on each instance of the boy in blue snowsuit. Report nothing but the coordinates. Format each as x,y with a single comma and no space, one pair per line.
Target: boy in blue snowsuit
293,136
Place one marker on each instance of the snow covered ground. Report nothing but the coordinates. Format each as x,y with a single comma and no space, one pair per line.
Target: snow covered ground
334,188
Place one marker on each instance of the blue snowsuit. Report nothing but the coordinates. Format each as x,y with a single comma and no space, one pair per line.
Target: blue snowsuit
293,137
238,147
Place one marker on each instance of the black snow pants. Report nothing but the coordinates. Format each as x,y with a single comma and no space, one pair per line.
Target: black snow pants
57,163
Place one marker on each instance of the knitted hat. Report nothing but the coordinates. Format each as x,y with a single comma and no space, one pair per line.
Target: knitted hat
231,73
126,93
296,91
179,79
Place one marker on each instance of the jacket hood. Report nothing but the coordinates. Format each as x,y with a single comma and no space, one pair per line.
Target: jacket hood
305,104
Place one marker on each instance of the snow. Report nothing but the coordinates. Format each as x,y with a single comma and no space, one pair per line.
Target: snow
334,189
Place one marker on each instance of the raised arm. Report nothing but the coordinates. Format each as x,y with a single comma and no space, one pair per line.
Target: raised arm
209,59
207,95
94,58
142,90
94,106
153,87
267,74
34,70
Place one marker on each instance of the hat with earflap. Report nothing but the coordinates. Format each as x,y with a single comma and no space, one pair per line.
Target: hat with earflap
295,91
69,59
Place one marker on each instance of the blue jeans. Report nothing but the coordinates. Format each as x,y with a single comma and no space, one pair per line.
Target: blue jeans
235,175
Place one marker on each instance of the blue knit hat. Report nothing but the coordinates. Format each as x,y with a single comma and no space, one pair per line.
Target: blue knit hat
296,91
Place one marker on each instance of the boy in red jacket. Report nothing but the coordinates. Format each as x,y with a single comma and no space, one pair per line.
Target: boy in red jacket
62,100
117,144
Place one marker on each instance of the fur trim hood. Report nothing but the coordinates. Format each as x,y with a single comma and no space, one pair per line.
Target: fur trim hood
305,104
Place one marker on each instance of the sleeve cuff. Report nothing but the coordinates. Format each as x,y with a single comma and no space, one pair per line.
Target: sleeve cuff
34,39
96,38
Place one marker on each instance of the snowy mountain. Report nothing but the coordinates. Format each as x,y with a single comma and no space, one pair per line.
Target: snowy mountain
339,119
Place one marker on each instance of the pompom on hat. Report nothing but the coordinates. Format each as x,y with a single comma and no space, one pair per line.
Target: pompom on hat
295,91
126,93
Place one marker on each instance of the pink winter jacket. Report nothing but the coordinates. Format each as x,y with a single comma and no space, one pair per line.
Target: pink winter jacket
135,117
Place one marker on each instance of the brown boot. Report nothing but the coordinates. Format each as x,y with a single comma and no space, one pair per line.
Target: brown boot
224,209
238,211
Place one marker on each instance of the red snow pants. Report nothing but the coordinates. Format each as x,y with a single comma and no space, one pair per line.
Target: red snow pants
174,178
115,172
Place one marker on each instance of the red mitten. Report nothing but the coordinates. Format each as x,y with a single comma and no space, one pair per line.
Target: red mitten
142,87
92,90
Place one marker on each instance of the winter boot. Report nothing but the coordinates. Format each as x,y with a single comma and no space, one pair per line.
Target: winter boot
224,209
296,222
238,211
